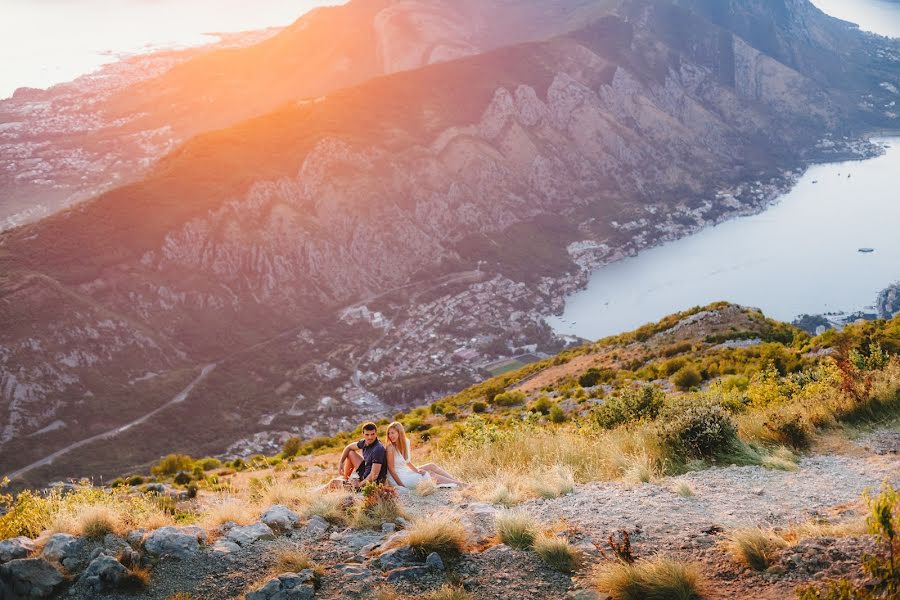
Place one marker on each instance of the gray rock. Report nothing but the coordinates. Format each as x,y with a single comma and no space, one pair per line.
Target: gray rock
354,572
354,540
104,573
64,549
30,578
18,547
414,572
135,537
387,528
244,536
287,586
280,518
179,542
225,547
394,558
434,562
316,526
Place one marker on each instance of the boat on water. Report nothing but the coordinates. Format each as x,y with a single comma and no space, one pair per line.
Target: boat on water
866,250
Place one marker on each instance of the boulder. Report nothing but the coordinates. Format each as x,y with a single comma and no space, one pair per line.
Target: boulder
434,562
104,573
244,536
30,578
280,518
179,542
387,528
394,558
317,526
287,586
18,547
225,547
353,539
135,537
64,549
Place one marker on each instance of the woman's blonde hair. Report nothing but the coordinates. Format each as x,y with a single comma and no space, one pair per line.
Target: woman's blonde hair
402,442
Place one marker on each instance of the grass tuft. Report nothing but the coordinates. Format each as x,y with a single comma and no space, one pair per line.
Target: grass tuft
439,533
755,547
449,592
651,579
517,529
558,553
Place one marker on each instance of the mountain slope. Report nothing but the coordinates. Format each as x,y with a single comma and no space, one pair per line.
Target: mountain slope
243,246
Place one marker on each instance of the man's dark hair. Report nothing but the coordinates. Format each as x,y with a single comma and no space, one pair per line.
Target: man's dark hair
370,427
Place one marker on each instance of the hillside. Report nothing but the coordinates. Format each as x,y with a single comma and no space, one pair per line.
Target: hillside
443,198
747,478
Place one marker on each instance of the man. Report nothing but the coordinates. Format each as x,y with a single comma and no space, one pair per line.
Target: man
371,465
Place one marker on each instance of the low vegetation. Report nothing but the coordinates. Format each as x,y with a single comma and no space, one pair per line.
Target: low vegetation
557,553
755,547
516,529
441,533
651,579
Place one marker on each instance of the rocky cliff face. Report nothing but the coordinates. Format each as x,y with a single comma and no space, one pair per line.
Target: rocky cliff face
242,247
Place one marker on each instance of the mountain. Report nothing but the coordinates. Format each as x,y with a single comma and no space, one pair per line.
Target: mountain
612,470
326,261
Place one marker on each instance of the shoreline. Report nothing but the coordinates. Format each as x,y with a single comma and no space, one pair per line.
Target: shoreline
589,265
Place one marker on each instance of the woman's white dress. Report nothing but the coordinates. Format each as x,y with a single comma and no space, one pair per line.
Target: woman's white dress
407,476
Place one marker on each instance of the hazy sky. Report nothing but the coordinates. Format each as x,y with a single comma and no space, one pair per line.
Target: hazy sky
43,42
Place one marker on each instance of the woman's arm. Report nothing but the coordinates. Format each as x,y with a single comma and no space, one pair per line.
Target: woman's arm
391,470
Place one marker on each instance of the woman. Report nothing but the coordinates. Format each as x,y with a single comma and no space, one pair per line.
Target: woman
401,472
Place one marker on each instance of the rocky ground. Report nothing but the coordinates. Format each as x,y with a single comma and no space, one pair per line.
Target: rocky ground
690,525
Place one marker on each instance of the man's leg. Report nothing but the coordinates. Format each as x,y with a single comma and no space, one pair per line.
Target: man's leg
354,460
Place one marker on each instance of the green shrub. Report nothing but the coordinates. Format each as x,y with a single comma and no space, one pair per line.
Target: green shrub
511,398
687,378
291,447
557,414
641,403
789,428
136,480
182,478
594,376
694,428
479,407
172,464
208,464
542,405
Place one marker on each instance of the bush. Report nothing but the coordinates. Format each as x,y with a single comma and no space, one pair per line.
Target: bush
448,592
558,553
594,376
687,378
516,529
291,447
557,414
542,405
172,464
438,533
653,579
182,478
789,428
511,398
479,407
641,403
381,504
208,464
693,428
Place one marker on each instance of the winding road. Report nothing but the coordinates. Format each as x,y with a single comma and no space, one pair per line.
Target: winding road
177,399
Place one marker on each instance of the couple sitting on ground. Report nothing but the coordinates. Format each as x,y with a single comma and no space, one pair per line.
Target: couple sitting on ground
373,462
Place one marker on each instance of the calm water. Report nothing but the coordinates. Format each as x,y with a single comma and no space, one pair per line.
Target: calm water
800,256
880,16
44,42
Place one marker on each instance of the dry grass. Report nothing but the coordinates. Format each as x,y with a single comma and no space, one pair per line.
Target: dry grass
180,596
286,493
448,592
441,533
425,488
137,578
91,521
558,553
651,579
684,489
227,509
553,483
517,529
754,547
855,526
386,592
330,506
